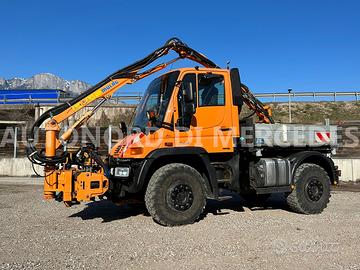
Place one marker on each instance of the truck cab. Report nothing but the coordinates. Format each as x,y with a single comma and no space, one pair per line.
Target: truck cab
188,128
187,143
186,108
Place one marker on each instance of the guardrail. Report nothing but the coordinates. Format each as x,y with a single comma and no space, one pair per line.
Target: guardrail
293,96
313,95
44,101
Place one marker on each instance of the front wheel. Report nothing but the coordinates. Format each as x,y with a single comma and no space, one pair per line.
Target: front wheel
175,195
312,189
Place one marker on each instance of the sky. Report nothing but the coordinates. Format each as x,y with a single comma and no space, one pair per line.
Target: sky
304,45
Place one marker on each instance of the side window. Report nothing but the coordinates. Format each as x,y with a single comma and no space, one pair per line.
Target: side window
186,81
211,90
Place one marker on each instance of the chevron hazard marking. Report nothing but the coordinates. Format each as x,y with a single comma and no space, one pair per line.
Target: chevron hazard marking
322,137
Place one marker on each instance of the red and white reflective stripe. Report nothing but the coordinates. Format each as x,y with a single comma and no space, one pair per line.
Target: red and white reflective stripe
129,140
322,137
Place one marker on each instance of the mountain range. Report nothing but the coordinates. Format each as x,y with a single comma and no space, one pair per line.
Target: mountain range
44,81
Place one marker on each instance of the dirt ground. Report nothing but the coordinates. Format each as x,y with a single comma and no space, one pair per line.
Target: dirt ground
37,234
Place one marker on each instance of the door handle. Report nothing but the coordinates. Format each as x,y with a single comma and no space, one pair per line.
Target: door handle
225,128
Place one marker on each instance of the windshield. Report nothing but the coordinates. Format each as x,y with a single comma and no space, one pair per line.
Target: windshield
155,100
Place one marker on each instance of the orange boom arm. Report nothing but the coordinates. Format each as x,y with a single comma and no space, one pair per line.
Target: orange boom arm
102,91
106,88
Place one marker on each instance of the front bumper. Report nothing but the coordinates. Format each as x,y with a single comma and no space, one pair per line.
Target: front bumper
130,184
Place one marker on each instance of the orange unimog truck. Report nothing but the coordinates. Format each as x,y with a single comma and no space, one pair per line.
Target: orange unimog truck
187,142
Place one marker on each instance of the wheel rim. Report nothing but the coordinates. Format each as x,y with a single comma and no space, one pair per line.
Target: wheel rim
180,197
314,190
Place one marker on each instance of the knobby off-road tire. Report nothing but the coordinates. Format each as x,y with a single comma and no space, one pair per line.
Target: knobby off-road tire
312,190
175,195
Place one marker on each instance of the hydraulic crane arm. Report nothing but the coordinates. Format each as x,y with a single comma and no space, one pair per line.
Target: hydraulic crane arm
101,91
105,89
263,111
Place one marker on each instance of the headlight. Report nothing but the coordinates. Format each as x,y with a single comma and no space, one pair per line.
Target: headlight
122,171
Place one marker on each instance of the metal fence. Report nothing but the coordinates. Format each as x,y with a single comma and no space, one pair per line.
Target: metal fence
311,96
58,100
270,97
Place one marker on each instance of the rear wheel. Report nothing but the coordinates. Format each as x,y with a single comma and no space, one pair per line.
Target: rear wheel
175,195
312,189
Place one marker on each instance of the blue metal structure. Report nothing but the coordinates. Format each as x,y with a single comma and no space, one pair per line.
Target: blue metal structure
31,96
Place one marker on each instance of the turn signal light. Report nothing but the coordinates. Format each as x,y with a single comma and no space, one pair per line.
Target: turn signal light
136,150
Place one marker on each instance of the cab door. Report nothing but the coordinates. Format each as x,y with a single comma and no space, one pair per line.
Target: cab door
211,124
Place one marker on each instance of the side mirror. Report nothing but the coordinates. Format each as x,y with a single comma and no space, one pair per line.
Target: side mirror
151,117
188,105
189,109
188,93
123,128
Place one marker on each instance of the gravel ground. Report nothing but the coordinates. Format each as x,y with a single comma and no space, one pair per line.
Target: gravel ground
37,234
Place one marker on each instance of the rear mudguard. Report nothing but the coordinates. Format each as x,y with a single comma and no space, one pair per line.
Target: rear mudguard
314,157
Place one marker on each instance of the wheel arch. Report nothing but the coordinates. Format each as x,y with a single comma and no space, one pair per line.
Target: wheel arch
313,157
195,157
